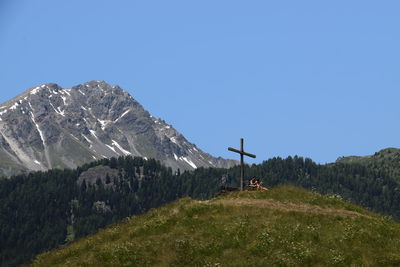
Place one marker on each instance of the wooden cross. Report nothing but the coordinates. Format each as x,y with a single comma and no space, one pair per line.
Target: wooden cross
242,154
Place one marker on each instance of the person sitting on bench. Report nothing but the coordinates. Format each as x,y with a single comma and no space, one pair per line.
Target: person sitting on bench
259,185
253,182
256,183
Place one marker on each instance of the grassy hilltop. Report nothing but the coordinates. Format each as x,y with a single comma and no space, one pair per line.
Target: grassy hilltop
285,226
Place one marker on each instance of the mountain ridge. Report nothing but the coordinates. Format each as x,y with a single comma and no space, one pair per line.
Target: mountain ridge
48,126
387,159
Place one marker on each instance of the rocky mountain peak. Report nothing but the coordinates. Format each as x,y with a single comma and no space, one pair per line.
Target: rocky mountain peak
53,127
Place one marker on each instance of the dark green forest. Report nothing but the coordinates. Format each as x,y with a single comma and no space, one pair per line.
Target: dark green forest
43,210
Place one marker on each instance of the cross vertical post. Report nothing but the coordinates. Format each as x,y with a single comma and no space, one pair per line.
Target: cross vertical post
242,154
241,165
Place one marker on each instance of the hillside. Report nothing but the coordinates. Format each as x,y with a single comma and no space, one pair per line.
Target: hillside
43,210
387,160
285,226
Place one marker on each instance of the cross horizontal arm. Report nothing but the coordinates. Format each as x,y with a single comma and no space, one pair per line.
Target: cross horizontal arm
241,152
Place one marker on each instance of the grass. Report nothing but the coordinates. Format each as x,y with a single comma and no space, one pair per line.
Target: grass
230,231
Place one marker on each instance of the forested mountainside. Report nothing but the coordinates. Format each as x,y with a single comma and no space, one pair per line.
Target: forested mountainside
387,159
43,210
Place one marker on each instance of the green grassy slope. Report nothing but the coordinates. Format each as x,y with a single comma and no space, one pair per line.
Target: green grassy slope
285,226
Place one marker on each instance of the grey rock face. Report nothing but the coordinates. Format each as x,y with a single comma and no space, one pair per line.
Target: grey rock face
52,127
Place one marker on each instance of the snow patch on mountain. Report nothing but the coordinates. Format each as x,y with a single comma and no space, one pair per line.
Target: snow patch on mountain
112,148
93,133
87,139
123,114
126,153
35,90
188,161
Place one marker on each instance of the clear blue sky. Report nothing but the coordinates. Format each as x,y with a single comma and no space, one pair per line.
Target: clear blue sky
318,79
